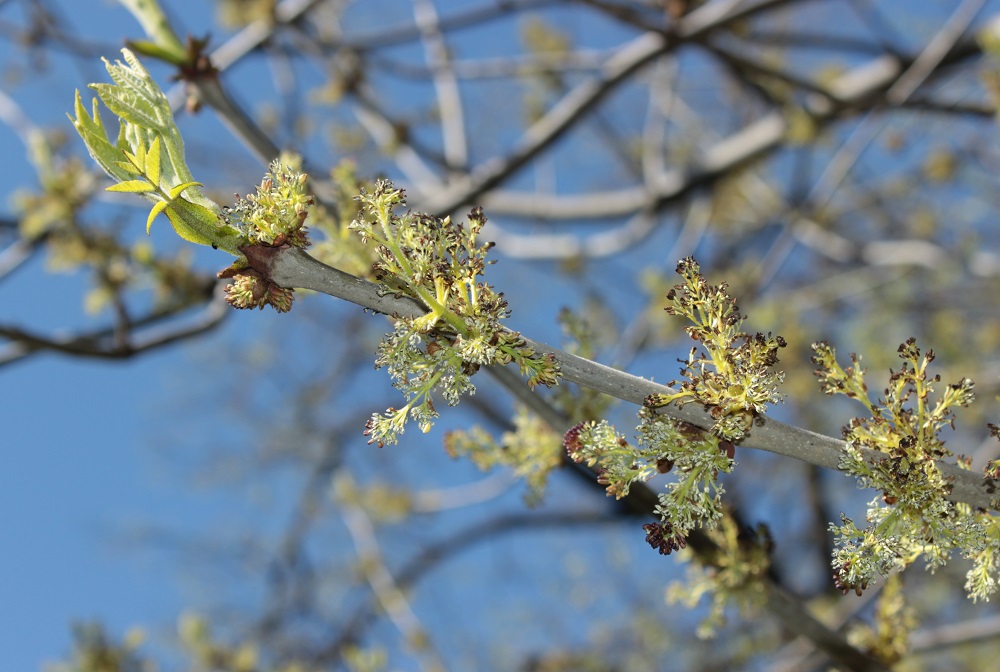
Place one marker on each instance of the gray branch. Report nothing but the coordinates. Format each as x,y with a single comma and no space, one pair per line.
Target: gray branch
291,267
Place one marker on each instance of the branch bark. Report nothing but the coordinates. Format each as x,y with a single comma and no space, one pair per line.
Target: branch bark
291,267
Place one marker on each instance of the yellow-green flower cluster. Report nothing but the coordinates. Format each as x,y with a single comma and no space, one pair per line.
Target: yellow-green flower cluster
733,380
276,213
438,263
913,516
731,576
531,450
695,457
732,374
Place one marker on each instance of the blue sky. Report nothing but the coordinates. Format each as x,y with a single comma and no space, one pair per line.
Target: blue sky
85,441
77,469
96,451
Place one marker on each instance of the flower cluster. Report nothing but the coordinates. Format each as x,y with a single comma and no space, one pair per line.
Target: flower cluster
693,456
250,289
275,214
273,217
887,639
896,451
438,263
740,557
734,380
531,450
337,245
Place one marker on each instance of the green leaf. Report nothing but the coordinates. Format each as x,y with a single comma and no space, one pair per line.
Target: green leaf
147,48
157,28
150,144
139,158
128,105
192,222
153,162
157,209
179,189
127,167
132,187
95,137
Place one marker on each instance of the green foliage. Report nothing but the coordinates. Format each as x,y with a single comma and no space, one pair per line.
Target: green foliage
145,165
55,213
148,159
164,44
146,125
913,518
734,381
438,262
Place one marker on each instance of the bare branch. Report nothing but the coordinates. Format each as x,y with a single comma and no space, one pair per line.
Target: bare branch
107,343
449,101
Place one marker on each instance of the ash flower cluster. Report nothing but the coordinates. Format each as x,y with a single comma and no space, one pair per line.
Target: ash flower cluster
734,380
913,517
741,558
695,457
531,450
273,216
438,262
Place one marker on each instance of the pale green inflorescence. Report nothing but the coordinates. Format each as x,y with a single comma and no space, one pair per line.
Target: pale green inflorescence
913,516
742,559
732,377
438,263
732,373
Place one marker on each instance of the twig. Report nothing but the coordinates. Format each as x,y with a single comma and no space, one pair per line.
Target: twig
578,101
863,86
449,100
454,544
954,634
292,267
102,344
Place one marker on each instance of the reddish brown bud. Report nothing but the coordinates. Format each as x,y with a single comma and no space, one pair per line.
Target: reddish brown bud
728,448
571,440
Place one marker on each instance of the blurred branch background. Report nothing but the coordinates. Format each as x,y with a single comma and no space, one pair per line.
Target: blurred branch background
834,161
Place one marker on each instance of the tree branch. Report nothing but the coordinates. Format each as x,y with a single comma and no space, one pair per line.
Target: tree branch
106,343
291,267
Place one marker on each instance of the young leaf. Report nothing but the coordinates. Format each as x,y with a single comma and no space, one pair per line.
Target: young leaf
156,210
153,152
132,187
